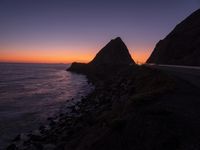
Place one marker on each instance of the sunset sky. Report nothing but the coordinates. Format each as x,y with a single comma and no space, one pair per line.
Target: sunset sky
62,31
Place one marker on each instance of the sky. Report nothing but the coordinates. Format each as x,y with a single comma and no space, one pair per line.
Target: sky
63,31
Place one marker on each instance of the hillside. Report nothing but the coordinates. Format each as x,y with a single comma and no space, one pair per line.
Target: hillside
181,46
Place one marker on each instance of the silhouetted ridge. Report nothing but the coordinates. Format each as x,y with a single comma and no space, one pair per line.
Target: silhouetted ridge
182,45
114,54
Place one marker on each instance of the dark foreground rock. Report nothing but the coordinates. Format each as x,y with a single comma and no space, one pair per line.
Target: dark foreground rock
124,112
181,46
118,115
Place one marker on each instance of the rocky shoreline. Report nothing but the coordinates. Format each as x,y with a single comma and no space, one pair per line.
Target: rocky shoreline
117,100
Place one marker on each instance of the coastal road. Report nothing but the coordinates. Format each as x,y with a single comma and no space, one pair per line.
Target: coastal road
191,74
183,102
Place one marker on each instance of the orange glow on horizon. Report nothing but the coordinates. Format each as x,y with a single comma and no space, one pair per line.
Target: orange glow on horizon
44,56
59,56
140,57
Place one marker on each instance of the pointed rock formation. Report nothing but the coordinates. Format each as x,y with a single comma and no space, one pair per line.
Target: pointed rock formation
114,54
181,46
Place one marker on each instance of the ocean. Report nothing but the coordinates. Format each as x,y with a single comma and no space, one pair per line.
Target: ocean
30,93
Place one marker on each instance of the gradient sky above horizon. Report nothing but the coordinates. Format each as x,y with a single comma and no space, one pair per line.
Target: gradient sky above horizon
62,31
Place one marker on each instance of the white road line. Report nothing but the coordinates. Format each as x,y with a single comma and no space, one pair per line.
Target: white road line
175,66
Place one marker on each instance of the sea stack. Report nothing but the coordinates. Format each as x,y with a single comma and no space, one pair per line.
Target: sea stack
114,54
181,46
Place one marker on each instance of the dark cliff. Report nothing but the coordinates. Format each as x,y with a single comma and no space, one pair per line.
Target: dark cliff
182,45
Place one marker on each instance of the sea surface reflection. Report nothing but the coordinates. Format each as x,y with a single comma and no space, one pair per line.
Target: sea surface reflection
30,93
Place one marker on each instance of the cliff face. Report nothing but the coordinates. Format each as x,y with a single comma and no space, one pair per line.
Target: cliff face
114,54
182,45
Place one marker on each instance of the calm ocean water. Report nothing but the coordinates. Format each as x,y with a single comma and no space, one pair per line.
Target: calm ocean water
30,93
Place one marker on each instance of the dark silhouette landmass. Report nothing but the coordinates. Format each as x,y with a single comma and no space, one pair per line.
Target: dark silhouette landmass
131,108
181,46
119,114
114,55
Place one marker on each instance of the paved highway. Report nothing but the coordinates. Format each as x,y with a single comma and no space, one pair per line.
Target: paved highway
190,74
183,103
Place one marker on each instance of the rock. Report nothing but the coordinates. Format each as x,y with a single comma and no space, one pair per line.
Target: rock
50,118
35,137
96,100
52,123
17,138
76,107
12,147
47,127
38,146
22,137
114,54
181,46
49,147
36,132
118,125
